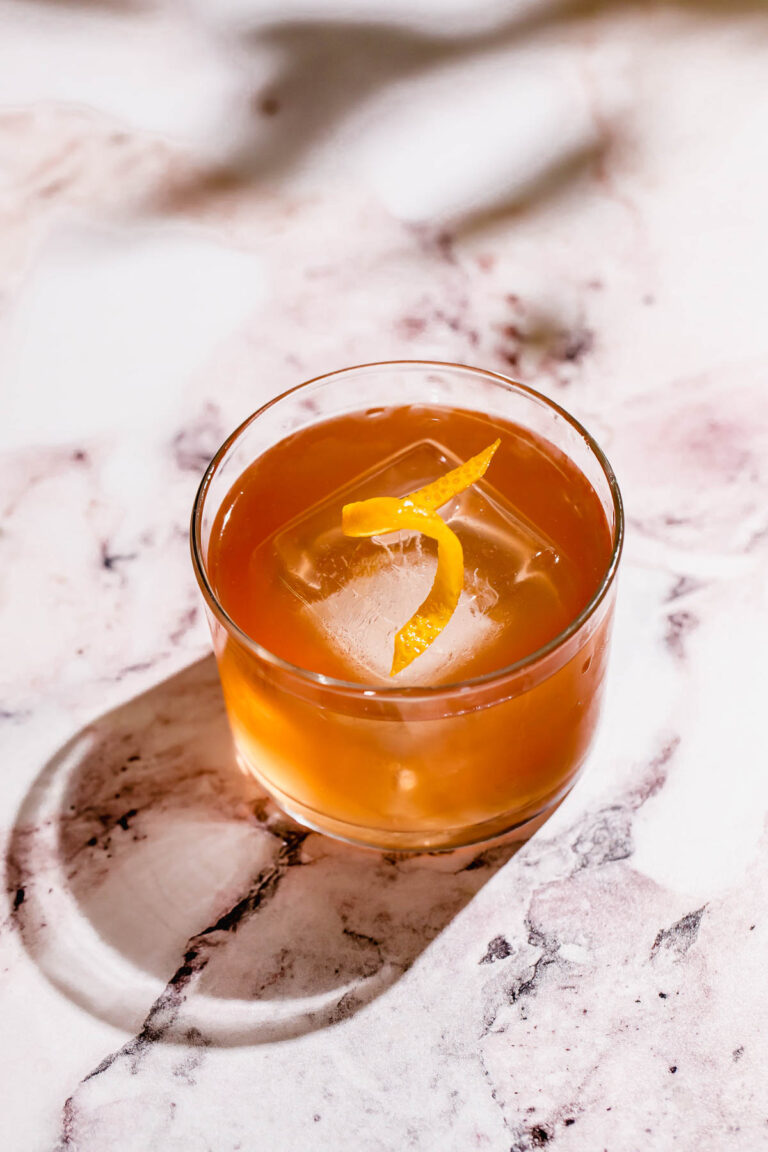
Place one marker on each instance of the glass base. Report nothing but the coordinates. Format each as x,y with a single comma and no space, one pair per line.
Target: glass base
511,827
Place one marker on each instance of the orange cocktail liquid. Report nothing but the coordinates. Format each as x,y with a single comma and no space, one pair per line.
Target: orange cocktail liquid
536,547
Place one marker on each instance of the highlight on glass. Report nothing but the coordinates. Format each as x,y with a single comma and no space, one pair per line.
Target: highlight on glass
409,571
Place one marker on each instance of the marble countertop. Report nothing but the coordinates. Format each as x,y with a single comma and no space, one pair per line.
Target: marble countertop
202,204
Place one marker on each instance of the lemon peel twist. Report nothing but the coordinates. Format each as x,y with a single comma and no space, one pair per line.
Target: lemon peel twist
418,512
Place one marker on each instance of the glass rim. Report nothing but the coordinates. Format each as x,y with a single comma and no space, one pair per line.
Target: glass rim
411,692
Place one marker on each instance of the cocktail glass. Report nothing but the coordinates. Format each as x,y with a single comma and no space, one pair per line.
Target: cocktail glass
432,765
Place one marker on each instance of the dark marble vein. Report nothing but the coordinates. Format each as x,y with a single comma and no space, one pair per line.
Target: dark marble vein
678,938
163,1014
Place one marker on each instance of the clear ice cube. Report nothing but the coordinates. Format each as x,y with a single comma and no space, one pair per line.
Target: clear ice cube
359,592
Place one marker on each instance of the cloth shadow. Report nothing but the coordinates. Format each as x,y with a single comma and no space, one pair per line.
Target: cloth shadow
321,71
324,70
157,887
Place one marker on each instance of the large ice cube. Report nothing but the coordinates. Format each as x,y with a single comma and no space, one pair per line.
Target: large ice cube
359,592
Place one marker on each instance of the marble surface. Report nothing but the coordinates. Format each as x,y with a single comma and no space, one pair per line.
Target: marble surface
204,203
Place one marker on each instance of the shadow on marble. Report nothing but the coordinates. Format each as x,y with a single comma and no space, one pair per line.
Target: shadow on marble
160,890
324,70
535,189
328,68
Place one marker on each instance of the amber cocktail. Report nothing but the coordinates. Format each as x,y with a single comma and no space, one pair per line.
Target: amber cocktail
488,727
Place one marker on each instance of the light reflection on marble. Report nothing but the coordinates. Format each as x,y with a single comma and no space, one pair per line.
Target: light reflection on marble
195,213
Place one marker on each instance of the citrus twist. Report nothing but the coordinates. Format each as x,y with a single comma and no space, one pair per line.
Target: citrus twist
418,512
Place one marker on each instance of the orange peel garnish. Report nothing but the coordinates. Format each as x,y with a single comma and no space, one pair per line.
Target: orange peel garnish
417,512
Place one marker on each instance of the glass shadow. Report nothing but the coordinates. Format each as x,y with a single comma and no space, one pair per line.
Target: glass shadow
160,889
